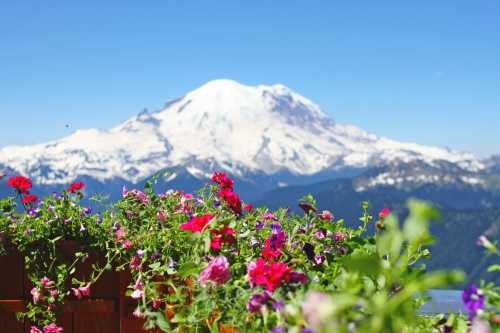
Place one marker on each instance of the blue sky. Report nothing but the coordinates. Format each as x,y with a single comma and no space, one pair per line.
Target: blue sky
424,71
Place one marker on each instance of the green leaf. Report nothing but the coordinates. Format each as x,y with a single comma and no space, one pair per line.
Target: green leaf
187,269
362,262
494,268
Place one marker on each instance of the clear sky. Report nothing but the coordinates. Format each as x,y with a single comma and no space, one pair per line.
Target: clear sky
425,71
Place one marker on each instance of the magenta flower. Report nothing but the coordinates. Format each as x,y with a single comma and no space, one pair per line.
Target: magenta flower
35,329
77,293
85,290
217,271
45,281
52,328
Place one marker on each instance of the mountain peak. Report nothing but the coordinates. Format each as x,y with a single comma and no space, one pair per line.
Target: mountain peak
243,129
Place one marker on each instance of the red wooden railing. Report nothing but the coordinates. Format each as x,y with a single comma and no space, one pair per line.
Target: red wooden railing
108,310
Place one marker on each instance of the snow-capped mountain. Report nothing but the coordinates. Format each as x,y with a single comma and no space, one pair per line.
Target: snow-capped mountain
244,130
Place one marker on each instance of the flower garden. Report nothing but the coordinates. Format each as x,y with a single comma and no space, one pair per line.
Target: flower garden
207,262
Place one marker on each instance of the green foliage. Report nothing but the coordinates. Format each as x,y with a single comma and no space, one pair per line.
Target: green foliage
317,273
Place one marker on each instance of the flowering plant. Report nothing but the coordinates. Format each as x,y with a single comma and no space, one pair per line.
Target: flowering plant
210,262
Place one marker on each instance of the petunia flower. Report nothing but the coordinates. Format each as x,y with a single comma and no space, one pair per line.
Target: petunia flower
217,272
20,184
28,199
52,328
473,299
198,223
76,187
384,213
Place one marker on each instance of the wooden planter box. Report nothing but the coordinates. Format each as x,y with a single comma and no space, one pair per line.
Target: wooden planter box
108,310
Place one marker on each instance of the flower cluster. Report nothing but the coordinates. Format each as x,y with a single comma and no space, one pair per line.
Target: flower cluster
207,261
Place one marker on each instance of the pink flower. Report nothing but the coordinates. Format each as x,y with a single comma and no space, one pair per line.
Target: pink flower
120,234
384,213
137,294
248,207
135,263
54,292
162,216
127,244
137,313
37,295
85,290
52,328
270,217
480,326
197,223
77,293
217,271
35,329
326,215
138,289
45,281
339,236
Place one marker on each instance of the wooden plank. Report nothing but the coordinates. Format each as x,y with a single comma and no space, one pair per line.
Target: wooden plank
84,306
95,322
10,324
11,282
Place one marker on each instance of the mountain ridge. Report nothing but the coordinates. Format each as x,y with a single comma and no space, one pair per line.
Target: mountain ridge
223,125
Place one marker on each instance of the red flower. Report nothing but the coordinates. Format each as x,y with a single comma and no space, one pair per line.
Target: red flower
384,213
231,199
197,223
20,183
248,207
269,275
29,199
76,186
223,236
223,181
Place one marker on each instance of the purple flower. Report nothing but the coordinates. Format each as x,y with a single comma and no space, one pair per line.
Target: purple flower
473,299
140,253
297,277
279,305
87,211
276,228
307,330
257,301
320,234
259,225
278,330
155,255
319,260
33,211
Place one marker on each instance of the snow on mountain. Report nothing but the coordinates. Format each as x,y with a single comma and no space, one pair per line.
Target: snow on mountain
221,125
